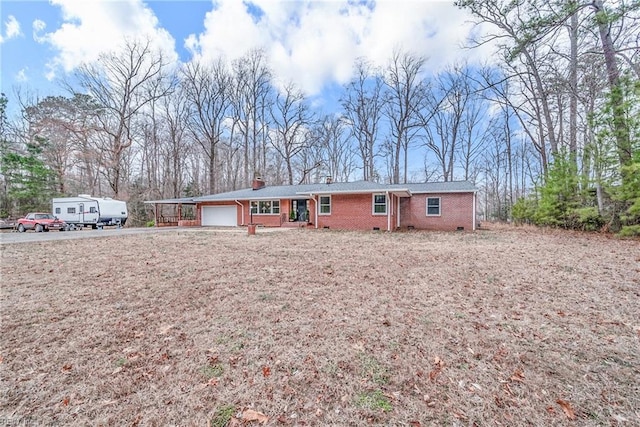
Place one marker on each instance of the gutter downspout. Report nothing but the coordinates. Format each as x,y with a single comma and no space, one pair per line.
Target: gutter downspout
241,210
315,203
389,211
474,211
398,212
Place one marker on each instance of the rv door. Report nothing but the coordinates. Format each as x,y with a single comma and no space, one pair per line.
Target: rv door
90,213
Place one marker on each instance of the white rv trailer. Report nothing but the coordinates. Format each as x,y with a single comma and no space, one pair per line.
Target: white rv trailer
88,211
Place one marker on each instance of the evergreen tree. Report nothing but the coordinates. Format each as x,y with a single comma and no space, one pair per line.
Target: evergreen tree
558,197
5,206
30,183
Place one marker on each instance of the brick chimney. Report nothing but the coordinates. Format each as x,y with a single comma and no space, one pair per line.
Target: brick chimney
258,183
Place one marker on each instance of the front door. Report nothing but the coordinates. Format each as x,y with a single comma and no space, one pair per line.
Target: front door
301,210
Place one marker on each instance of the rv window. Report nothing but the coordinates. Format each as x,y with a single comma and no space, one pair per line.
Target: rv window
92,209
57,210
71,210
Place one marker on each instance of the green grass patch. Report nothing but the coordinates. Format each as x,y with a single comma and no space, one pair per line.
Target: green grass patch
266,297
372,369
374,400
212,371
222,416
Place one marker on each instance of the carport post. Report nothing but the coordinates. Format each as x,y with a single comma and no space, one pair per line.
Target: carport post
155,214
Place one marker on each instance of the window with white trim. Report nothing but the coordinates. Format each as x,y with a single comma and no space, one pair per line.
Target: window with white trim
379,204
325,205
71,210
265,207
433,206
57,210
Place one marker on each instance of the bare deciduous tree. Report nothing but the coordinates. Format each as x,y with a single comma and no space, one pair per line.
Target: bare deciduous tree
362,104
404,92
123,83
251,101
291,119
207,88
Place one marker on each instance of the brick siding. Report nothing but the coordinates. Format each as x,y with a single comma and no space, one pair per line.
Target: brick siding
456,210
354,212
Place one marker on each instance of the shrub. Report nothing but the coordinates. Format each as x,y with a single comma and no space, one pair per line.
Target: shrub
630,231
586,219
523,211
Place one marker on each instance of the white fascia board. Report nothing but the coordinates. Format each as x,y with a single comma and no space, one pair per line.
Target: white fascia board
373,191
444,191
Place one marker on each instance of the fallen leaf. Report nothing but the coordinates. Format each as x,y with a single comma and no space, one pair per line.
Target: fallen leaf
437,369
518,376
566,407
136,421
434,373
415,424
66,367
65,401
251,415
266,371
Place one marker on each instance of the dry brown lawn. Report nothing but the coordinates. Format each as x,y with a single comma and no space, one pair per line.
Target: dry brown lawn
501,327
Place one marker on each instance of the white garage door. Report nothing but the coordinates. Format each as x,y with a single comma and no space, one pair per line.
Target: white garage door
220,215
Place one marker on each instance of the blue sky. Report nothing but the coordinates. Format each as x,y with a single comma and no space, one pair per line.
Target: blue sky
312,43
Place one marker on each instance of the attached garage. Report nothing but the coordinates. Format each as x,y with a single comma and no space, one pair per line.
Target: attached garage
226,216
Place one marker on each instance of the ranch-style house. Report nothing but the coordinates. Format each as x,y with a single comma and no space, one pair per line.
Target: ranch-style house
359,205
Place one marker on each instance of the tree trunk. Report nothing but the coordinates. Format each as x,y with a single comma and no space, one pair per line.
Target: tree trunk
573,88
623,142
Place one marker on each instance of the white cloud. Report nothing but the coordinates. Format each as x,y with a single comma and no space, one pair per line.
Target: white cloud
11,29
315,42
21,76
38,28
91,28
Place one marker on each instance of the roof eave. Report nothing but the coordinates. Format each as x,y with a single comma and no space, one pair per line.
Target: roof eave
444,191
370,191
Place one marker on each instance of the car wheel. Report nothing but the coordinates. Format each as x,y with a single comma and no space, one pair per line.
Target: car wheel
21,228
38,228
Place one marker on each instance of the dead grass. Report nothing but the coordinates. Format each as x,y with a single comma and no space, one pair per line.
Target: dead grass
499,327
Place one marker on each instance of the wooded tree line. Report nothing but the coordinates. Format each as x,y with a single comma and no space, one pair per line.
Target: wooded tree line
549,132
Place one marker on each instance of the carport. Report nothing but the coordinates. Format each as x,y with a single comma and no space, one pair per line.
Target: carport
171,212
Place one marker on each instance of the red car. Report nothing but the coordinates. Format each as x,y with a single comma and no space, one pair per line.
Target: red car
40,221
